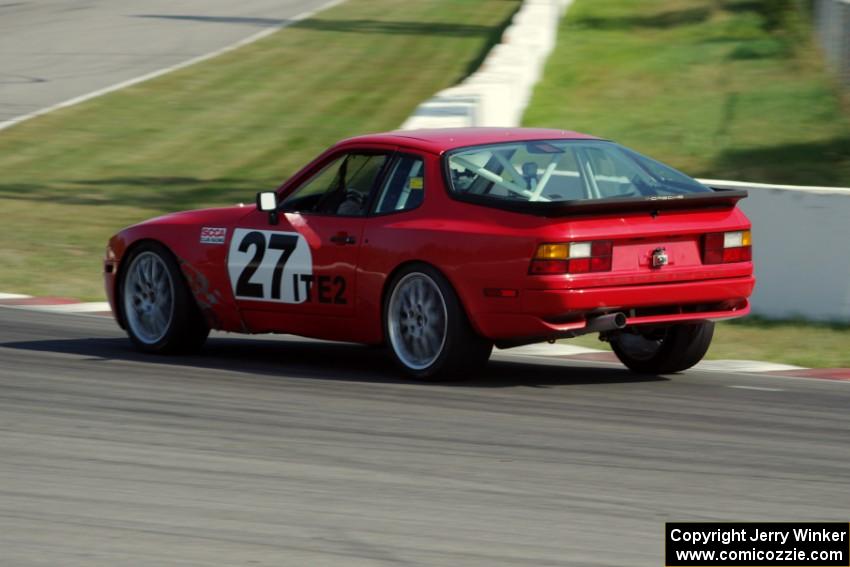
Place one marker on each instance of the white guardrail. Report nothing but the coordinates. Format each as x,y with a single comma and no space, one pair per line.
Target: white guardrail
801,235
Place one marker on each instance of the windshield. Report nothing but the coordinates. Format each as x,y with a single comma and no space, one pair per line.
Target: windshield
563,170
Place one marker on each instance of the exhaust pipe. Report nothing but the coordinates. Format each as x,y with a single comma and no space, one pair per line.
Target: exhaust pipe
607,322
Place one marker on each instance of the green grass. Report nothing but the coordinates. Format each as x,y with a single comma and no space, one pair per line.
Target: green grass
731,89
217,132
790,342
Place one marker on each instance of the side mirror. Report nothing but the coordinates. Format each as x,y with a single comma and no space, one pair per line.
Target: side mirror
267,202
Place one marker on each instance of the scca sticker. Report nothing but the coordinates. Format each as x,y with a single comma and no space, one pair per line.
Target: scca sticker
270,266
213,235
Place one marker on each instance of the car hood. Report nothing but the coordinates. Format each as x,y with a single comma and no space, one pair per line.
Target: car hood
211,216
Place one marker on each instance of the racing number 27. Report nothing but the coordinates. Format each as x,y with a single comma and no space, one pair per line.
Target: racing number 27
284,242
329,289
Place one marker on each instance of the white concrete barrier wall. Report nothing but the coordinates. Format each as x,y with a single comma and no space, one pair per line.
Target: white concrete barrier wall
801,250
801,234
498,92
832,28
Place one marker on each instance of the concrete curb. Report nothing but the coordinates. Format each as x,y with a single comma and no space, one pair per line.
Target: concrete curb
560,350
53,304
570,352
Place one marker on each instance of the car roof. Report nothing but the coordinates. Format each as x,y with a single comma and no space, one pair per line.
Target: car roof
439,140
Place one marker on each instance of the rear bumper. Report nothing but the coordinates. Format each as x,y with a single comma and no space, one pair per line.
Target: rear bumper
550,313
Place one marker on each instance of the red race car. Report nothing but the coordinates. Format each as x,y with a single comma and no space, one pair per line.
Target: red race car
443,243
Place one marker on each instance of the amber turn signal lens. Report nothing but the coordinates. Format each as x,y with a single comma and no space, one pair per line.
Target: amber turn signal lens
552,252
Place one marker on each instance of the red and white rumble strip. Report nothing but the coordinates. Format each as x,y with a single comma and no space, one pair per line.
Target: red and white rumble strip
557,350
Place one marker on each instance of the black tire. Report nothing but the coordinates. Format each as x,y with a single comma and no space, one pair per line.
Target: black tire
185,330
462,352
666,350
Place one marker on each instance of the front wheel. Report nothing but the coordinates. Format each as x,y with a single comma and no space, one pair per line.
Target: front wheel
427,329
159,312
663,350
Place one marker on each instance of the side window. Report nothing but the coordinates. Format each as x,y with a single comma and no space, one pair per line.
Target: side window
340,188
404,187
306,197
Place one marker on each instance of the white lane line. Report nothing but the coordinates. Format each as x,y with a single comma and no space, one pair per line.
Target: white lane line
154,74
759,388
13,296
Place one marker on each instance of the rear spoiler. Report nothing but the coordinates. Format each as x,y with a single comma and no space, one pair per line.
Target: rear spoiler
717,199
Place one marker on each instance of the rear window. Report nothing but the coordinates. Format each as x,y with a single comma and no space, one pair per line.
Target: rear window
562,170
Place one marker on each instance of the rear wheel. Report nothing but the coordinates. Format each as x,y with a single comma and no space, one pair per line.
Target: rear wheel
427,329
663,350
160,313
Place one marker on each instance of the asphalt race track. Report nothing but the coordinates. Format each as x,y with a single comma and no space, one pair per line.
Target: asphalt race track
282,451
55,50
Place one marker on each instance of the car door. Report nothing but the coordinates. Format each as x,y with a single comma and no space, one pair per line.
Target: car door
300,275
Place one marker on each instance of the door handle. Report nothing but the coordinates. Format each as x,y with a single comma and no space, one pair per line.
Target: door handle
342,238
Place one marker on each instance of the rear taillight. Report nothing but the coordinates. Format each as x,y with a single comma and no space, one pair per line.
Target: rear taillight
727,247
572,258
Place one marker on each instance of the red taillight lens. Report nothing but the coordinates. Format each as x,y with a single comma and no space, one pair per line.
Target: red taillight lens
727,247
601,248
587,265
578,266
742,254
572,258
713,248
600,264
544,267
